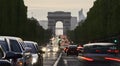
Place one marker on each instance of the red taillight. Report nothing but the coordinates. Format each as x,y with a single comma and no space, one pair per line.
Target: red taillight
109,50
86,58
114,59
113,51
116,51
98,51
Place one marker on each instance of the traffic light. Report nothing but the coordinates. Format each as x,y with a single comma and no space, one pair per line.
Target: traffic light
115,41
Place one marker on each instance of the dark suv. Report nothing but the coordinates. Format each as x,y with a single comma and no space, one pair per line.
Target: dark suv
72,50
36,53
13,45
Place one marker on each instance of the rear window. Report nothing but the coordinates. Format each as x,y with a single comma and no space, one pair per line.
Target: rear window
31,45
72,46
99,49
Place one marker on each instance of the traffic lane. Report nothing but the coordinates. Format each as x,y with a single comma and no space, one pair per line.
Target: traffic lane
50,55
49,58
70,60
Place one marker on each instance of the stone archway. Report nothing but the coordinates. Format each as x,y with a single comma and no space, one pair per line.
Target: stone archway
59,28
64,17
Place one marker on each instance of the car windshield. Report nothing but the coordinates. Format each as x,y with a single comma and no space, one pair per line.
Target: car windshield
73,46
4,45
31,45
99,49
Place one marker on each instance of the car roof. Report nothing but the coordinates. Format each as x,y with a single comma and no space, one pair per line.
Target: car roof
10,37
72,45
30,42
103,44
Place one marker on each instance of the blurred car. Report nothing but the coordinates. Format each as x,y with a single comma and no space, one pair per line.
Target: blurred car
55,48
49,48
65,49
99,52
72,50
37,59
3,61
13,46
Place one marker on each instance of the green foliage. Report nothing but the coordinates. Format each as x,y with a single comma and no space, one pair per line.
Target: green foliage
102,21
35,32
14,22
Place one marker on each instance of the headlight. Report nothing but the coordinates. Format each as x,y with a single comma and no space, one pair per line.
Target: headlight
48,50
19,63
55,49
34,60
43,49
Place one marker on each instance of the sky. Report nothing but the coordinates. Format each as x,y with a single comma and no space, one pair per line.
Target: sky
40,8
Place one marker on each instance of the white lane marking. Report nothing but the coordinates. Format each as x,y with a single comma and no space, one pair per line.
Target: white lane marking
58,60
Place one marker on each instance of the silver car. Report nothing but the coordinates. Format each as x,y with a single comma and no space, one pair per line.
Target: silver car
37,59
13,45
99,52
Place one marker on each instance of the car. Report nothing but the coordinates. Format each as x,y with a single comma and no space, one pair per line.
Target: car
49,48
72,50
65,49
3,59
36,53
5,56
13,45
94,52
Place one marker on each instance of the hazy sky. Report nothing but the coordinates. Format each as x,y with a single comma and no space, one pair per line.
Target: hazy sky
40,8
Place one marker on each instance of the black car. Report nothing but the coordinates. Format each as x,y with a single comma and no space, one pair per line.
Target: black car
72,50
37,59
13,46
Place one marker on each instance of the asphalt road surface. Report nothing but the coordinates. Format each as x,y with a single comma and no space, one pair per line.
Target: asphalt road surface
72,60
49,58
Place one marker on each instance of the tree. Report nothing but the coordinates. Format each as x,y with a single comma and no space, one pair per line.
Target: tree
102,21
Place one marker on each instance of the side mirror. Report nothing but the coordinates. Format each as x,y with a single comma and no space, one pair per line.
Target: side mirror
28,49
12,55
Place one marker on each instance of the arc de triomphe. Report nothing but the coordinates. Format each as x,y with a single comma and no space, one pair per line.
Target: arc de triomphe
64,17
